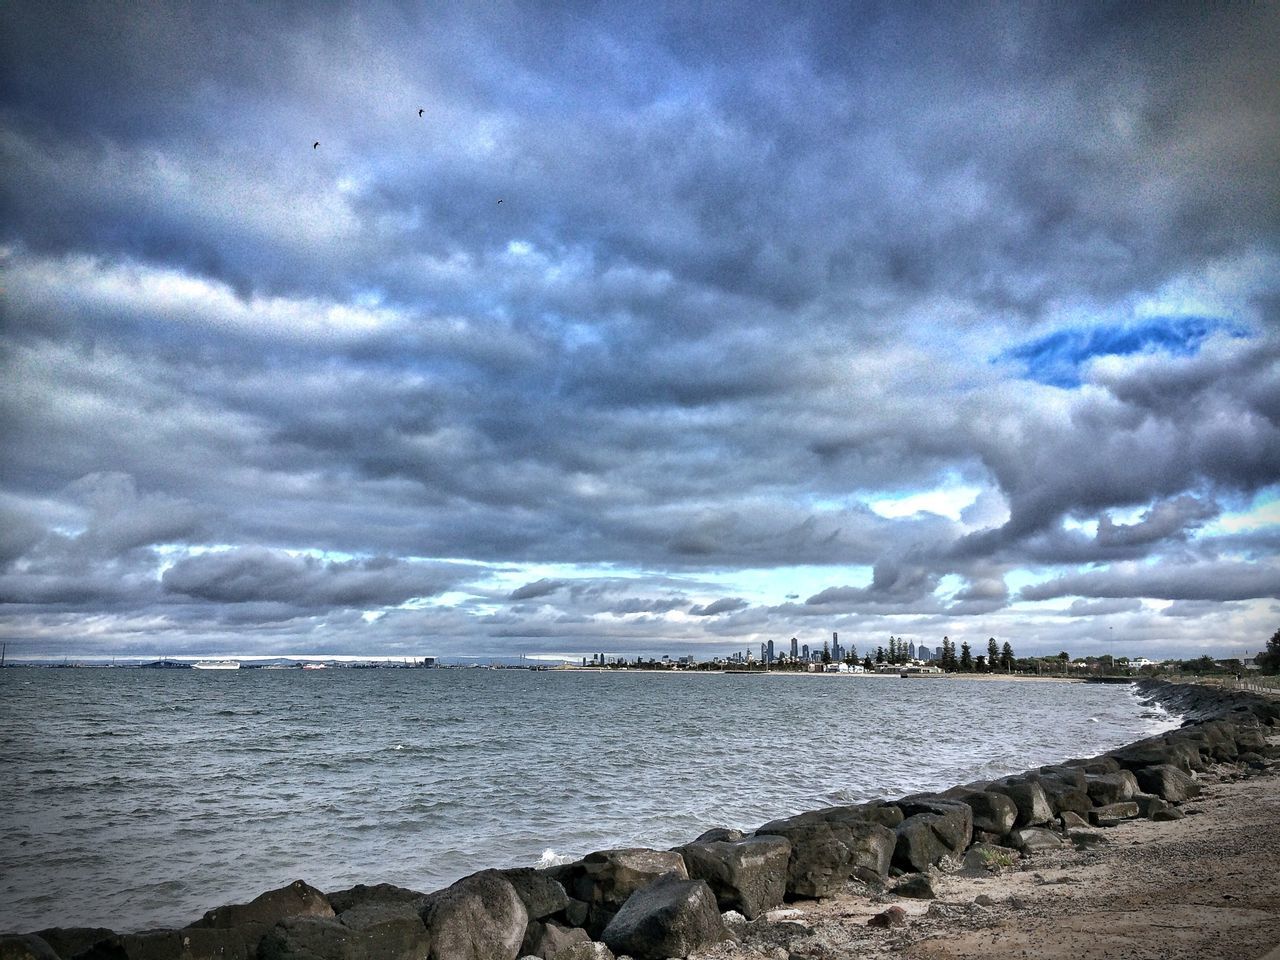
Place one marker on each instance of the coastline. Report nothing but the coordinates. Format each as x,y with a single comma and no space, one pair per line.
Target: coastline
836,868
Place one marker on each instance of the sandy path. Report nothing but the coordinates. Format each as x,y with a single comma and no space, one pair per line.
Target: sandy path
1203,888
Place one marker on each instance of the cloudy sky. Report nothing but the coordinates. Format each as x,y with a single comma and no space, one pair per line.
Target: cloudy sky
658,331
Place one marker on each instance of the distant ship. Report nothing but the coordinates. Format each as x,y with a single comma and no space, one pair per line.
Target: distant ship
217,665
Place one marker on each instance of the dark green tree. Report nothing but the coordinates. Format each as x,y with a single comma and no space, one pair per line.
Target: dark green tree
1269,659
826,653
980,663
948,655
1006,657
993,653
893,649
879,654
966,657
867,664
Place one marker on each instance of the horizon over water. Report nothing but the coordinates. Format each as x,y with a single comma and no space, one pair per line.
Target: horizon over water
144,798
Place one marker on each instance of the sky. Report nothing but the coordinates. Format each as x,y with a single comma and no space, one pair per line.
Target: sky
553,329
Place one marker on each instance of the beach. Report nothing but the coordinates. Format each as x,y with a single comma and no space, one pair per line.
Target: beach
1201,888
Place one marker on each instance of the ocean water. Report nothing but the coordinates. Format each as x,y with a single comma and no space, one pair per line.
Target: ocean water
138,798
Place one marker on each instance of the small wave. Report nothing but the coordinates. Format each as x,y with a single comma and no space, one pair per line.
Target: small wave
550,858
1093,719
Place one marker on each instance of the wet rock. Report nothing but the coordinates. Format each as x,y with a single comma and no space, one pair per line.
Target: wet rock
478,918
826,854
720,834
1036,840
893,917
369,931
1103,764
1029,797
747,875
916,886
605,879
671,917
298,899
25,947
541,895
1155,751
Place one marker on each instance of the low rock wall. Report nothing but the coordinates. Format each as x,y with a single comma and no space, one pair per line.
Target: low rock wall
652,904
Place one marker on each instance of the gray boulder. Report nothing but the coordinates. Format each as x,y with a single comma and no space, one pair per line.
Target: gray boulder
603,881
1066,795
1036,840
1029,797
342,900
934,828
716,834
993,813
748,875
549,940
478,918
1108,788
541,895
590,950
1113,813
916,886
369,931
990,857
825,854
298,899
671,917
25,947
1168,782
1149,804
1102,764
69,941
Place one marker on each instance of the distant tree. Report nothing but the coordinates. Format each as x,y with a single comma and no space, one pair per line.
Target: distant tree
966,657
852,658
893,649
867,664
1006,657
879,654
1269,659
980,663
826,653
993,653
948,655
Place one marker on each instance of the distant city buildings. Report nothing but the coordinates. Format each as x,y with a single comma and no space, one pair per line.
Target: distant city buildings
795,648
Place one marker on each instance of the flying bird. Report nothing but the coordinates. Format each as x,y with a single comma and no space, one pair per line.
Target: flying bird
419,111
316,144
499,199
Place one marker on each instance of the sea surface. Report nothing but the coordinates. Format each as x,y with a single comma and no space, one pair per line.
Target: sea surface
137,798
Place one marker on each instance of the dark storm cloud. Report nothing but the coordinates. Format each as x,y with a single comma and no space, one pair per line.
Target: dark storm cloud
251,575
717,607
749,274
1223,581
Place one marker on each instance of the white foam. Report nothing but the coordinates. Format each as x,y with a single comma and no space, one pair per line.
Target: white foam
550,858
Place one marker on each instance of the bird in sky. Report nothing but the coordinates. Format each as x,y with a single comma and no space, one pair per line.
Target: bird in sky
499,199
419,111
316,144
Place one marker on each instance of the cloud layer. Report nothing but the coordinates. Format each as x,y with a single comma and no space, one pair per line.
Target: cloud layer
756,276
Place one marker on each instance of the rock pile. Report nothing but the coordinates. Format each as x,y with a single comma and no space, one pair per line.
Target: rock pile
652,904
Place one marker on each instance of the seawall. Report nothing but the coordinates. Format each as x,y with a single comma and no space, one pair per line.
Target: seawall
655,903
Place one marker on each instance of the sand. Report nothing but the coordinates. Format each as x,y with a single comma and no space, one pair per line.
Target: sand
1203,888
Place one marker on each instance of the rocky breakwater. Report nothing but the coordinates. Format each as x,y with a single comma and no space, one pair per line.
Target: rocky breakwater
653,904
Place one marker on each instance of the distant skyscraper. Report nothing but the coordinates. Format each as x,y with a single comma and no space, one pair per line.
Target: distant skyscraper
795,648
768,653
911,649
806,652
762,650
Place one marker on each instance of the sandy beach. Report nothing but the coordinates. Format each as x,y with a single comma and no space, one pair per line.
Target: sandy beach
1202,888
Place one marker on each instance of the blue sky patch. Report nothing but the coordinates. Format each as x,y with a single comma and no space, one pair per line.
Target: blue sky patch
1056,359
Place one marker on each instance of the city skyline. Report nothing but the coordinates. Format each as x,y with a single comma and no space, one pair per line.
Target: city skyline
501,332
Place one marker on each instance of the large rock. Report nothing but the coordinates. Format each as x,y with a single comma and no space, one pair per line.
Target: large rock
1103,764
342,900
728,834
369,931
1113,813
69,941
826,854
1066,795
1029,797
298,899
25,947
603,881
480,917
993,813
1036,840
1168,782
934,828
671,917
1158,750
1108,788
748,875
542,896
549,940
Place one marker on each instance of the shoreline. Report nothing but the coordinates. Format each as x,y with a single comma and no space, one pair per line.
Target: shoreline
721,897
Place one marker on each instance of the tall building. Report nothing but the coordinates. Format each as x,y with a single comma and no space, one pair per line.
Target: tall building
795,649
768,653
762,651
911,649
